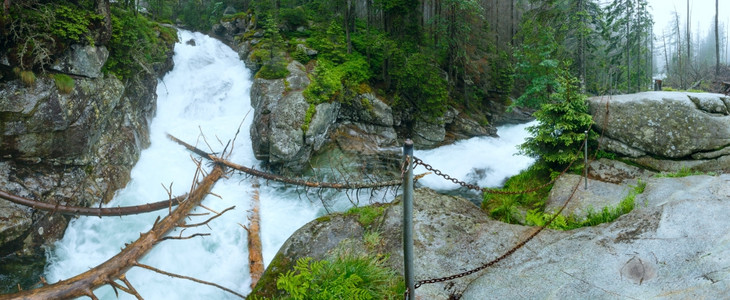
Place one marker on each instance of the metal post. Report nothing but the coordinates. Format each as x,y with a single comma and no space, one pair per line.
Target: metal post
408,219
585,160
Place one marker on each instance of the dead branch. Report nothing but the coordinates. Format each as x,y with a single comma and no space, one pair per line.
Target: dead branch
84,283
153,269
206,221
274,177
92,211
255,256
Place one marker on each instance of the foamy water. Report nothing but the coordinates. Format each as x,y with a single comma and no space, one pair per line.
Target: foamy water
484,161
208,92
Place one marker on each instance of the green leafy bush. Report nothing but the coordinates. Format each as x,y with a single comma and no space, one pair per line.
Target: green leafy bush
73,24
330,79
64,83
293,17
136,44
344,278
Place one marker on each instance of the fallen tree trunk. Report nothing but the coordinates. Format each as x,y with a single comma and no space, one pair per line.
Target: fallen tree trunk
115,268
92,211
255,257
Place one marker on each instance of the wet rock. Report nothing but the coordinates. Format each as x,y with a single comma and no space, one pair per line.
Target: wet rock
667,124
82,61
673,243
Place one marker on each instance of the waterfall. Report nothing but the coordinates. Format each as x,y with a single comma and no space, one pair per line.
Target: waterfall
203,101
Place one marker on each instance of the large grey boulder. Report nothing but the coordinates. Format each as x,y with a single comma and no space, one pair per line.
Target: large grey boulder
82,60
665,124
674,245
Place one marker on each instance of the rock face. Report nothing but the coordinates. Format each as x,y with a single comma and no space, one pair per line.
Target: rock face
82,61
72,149
673,244
666,126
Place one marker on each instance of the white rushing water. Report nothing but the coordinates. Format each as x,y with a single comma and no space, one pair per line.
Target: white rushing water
484,161
208,92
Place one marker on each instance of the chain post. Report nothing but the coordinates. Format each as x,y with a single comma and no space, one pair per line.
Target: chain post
585,160
408,219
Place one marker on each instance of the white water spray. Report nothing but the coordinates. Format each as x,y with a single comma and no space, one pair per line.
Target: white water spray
208,92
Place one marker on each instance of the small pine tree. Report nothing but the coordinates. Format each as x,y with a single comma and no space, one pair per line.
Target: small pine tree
563,120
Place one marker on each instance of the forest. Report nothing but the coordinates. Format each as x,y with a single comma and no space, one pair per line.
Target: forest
471,52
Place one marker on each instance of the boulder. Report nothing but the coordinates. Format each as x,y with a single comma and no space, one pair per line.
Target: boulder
673,244
667,124
664,126
428,134
82,60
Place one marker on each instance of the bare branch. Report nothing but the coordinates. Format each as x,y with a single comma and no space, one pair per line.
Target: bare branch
91,211
206,222
153,269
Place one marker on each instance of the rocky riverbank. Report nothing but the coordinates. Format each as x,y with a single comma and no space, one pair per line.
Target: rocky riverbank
673,244
72,147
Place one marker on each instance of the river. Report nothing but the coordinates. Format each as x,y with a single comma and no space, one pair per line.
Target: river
203,101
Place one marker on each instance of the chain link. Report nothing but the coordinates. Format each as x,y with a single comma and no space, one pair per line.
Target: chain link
428,167
438,172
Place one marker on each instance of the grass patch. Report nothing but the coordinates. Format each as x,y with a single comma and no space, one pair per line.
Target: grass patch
366,214
506,207
683,172
64,83
605,215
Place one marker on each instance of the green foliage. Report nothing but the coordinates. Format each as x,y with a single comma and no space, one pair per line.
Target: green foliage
607,214
330,43
136,44
366,214
344,278
420,84
64,83
198,15
563,120
604,154
273,69
301,55
311,110
293,17
506,207
73,24
683,172
331,80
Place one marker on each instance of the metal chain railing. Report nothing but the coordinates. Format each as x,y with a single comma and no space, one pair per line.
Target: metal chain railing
487,190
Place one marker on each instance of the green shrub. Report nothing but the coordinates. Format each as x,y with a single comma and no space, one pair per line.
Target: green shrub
331,80
73,24
344,278
136,44
64,83
275,69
